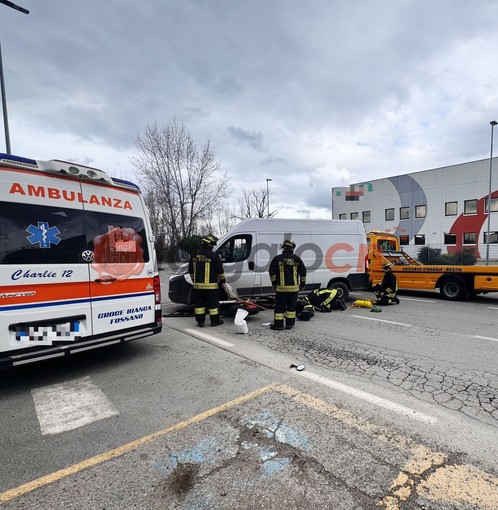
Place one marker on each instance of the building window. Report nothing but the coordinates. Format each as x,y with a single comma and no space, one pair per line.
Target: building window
493,236
343,216
494,205
404,240
469,238
404,213
470,206
389,214
420,239
366,216
420,211
449,238
354,215
451,208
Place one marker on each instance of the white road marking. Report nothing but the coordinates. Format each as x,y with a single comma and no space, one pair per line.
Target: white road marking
493,307
382,320
374,399
70,405
205,336
403,298
485,338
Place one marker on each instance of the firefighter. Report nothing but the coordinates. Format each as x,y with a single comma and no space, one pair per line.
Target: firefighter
305,310
206,270
288,277
326,300
386,291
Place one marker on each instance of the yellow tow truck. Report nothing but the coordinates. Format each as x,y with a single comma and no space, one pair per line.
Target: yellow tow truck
455,282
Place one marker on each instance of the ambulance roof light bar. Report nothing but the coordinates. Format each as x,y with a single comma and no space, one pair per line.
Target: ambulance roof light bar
56,166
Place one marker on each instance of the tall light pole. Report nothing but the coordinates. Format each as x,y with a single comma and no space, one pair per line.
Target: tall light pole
493,124
268,196
2,81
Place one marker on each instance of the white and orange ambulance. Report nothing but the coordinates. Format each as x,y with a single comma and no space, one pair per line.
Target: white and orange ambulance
77,261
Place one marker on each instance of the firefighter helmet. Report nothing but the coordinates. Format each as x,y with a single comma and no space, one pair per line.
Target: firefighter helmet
209,240
288,245
387,266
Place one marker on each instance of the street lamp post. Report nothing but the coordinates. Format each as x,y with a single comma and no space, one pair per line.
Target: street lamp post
268,196
493,124
2,81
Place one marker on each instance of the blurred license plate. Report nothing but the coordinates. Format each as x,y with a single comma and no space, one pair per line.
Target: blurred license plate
46,334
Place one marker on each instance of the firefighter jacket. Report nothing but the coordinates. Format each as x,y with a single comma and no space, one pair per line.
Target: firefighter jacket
206,270
389,284
322,298
287,272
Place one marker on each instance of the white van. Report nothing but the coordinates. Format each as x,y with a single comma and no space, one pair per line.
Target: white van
77,261
333,251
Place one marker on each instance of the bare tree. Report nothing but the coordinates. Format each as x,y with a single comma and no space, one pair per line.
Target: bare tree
254,204
186,180
158,224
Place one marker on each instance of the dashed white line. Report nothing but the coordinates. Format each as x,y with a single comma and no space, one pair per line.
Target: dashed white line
403,298
485,338
374,399
210,338
382,320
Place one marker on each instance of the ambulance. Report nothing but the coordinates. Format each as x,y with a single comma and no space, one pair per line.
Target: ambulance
77,261
333,251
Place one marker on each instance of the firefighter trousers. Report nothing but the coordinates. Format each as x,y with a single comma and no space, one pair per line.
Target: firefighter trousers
206,301
285,309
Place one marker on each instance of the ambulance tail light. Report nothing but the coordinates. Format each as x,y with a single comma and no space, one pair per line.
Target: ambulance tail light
157,294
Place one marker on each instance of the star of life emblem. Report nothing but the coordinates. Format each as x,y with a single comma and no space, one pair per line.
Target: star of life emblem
43,234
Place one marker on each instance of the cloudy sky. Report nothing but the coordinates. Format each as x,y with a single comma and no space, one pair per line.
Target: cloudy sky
311,94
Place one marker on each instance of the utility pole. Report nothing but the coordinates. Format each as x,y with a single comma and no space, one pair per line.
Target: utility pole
493,123
2,80
268,196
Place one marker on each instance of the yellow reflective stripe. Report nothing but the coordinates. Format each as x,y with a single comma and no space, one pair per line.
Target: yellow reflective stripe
206,286
290,288
290,315
213,311
294,274
207,271
279,316
199,311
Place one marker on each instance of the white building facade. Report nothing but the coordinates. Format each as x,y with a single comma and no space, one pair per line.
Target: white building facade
443,208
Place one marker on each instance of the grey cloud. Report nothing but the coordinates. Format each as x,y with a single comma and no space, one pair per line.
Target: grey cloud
253,139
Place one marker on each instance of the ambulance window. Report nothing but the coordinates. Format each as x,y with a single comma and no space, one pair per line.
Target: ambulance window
115,238
34,234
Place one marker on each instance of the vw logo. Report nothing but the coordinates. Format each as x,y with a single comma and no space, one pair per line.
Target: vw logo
87,255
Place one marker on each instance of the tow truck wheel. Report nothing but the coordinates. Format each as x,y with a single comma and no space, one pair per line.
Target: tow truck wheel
452,289
342,289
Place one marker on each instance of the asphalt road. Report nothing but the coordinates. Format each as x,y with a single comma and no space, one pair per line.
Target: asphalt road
394,410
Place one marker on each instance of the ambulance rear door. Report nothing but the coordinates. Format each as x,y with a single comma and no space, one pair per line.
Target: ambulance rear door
44,283
122,264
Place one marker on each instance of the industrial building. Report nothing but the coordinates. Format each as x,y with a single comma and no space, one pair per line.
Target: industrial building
443,208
